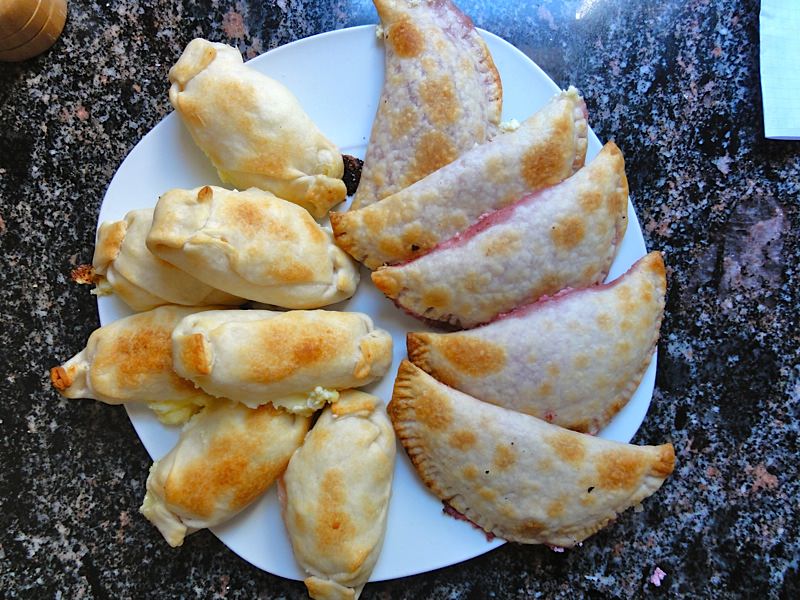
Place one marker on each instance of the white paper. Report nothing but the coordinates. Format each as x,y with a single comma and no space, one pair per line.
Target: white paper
780,68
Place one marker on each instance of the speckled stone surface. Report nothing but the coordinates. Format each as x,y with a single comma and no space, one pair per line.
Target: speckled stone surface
674,82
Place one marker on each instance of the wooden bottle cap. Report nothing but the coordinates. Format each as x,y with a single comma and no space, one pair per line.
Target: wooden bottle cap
38,34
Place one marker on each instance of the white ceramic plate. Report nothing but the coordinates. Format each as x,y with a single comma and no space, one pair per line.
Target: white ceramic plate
338,77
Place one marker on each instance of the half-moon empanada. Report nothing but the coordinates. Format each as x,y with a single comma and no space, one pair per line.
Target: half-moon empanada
562,236
516,476
226,457
336,494
547,148
130,360
141,279
441,95
573,359
259,356
253,129
253,245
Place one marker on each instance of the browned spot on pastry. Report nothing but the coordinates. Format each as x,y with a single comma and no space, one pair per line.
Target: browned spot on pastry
545,164
501,244
436,298
581,361
440,101
473,356
416,239
623,347
401,122
434,410
462,439
620,469
109,242
470,472
568,233
60,378
390,245
553,370
666,461
290,271
654,262
556,508
544,389
83,275
248,217
334,526
568,447
193,354
604,321
226,472
487,494
137,355
387,280
532,528
299,522
406,39
504,457
591,200
285,346
205,194
433,151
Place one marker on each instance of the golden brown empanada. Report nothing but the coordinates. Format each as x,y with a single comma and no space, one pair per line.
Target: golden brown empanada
573,359
141,279
516,476
547,148
253,245
335,495
441,95
226,457
563,236
130,360
259,356
253,129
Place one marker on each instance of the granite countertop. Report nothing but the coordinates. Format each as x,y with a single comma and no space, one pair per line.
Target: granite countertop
673,82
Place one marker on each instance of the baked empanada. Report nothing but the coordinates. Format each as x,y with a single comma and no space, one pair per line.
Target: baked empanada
253,245
573,359
335,495
259,356
142,280
547,148
253,129
130,360
516,476
562,236
441,95
226,457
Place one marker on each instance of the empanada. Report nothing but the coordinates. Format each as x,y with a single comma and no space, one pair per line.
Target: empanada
130,360
441,95
253,245
253,129
516,476
573,359
547,148
259,356
226,457
124,266
335,495
562,236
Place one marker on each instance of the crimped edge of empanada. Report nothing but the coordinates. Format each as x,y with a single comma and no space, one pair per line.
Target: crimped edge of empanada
412,384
